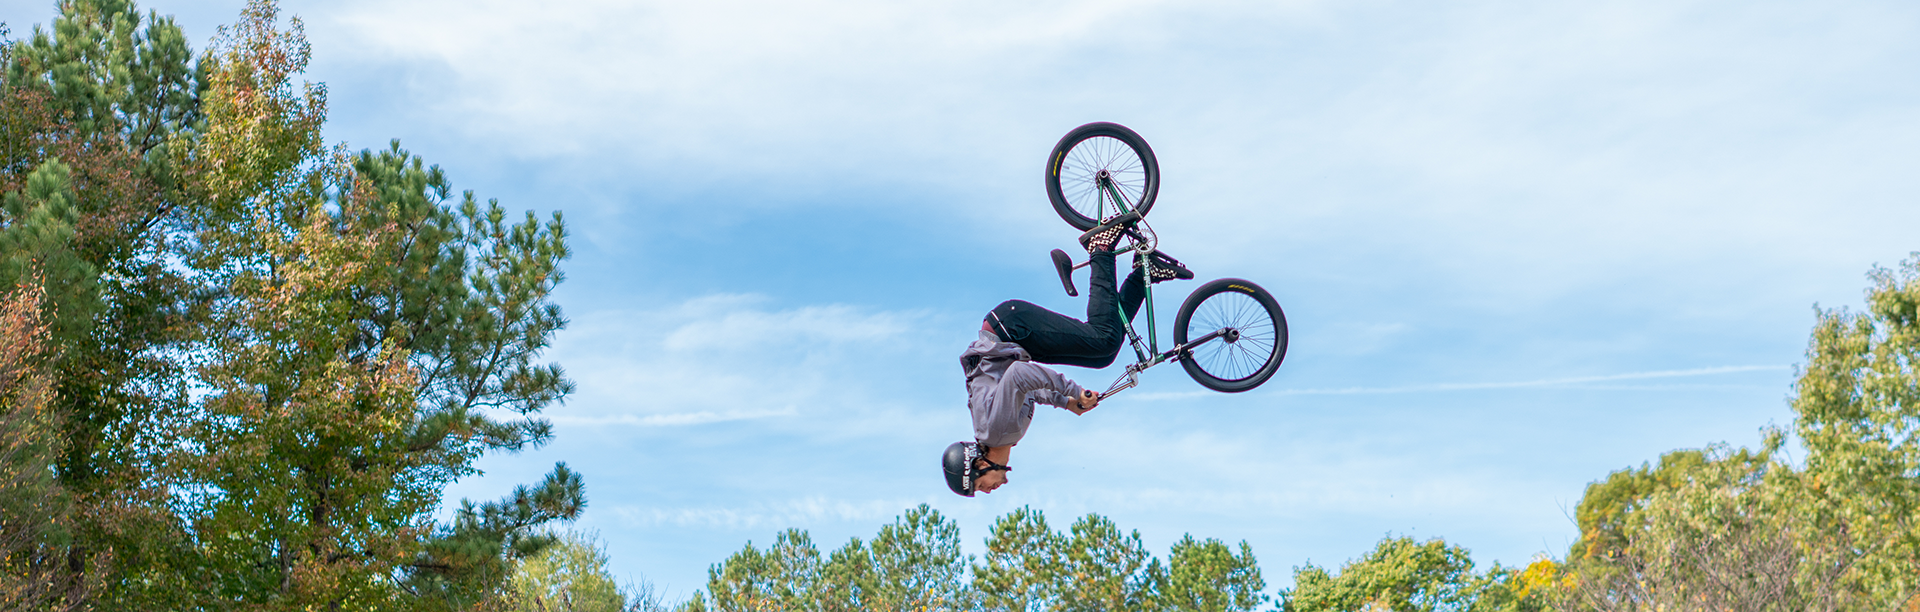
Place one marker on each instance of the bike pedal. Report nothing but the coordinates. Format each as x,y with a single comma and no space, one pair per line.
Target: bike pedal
1064,265
1121,221
1162,267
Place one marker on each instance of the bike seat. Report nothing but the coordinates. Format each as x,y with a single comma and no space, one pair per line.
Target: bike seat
1064,265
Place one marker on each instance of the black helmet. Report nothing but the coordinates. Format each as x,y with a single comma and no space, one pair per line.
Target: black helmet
959,463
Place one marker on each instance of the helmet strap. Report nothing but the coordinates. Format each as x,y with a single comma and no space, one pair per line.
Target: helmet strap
991,466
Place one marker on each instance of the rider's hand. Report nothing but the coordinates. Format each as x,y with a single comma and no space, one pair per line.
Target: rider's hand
1087,400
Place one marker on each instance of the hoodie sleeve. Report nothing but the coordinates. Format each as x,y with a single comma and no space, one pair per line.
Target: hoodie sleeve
1010,405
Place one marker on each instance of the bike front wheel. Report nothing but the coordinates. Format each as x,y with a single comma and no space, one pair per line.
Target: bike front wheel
1074,167
1253,337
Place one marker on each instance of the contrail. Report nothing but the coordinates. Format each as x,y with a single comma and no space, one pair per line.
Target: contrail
1442,387
1547,382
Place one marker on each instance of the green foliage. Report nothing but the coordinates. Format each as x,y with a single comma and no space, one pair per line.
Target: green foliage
266,360
111,70
915,563
1734,534
1100,569
37,243
1403,575
1020,569
305,436
1603,511
32,504
1859,417
84,215
1093,566
783,577
1721,529
469,561
88,110
465,295
1206,575
569,576
365,325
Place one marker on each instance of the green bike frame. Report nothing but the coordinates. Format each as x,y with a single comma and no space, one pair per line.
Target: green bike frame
1147,349
1121,206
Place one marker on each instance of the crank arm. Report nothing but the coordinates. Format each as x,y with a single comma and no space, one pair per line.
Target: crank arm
1064,264
1120,251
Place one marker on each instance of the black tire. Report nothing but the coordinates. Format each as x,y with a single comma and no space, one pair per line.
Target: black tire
1085,151
1244,362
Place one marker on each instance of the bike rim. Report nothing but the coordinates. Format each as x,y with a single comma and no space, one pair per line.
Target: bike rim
1084,162
1245,357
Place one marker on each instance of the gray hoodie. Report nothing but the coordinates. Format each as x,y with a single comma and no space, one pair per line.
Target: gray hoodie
1003,384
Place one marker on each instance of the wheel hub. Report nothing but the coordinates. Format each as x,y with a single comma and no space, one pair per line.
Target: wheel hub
1231,335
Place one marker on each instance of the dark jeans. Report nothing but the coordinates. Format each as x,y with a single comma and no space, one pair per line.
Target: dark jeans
1055,338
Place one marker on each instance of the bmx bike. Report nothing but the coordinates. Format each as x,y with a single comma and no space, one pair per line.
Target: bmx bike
1230,334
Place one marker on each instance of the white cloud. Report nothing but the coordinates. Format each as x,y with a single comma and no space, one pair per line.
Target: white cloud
724,358
1519,151
799,90
727,323
675,419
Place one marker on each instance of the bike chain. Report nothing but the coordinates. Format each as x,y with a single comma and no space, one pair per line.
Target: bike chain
1147,241
1145,250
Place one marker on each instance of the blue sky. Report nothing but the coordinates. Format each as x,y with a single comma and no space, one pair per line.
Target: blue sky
1520,244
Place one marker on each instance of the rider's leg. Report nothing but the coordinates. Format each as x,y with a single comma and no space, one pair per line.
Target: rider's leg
1105,306
1048,336
1103,303
1133,292
1051,337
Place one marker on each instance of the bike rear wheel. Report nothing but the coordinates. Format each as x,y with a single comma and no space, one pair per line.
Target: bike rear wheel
1080,157
1255,342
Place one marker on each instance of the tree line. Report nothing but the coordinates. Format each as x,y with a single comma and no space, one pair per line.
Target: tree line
916,564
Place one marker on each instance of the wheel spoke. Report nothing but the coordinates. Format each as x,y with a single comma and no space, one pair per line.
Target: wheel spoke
1248,354
1081,169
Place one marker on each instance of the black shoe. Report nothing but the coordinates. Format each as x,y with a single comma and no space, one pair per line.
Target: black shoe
1160,267
1102,237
